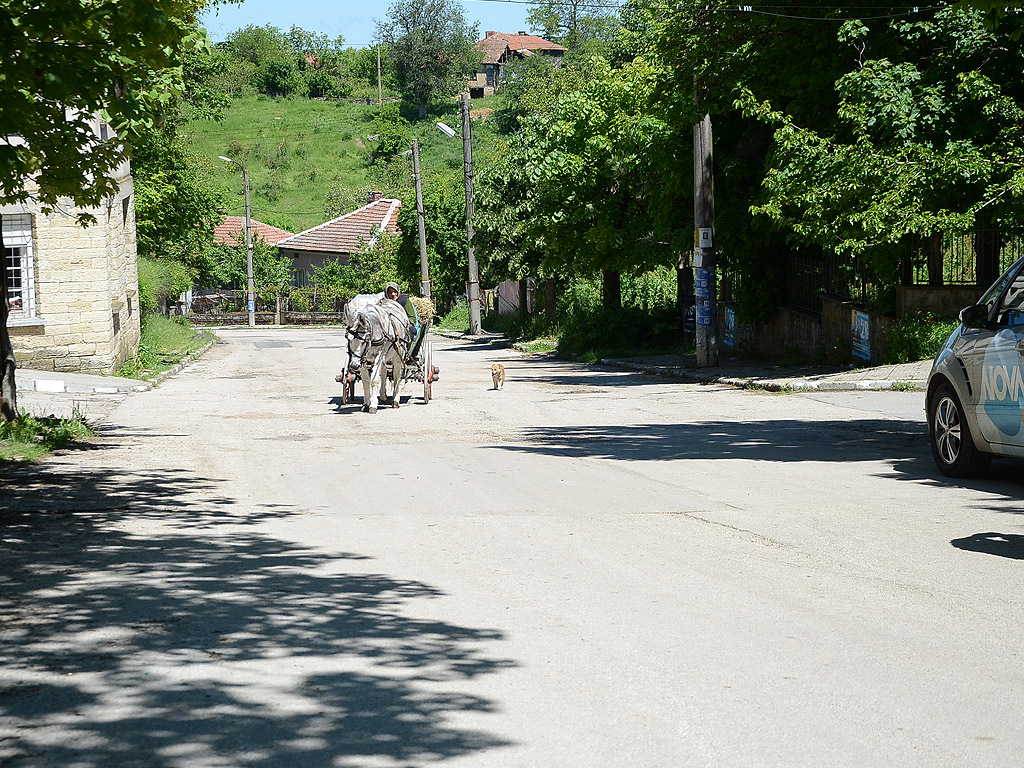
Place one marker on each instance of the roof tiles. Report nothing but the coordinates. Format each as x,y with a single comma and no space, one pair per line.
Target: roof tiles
349,233
231,231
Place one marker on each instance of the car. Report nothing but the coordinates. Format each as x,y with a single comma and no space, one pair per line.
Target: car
975,393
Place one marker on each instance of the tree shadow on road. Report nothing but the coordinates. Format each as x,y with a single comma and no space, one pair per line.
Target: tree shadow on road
902,442
147,620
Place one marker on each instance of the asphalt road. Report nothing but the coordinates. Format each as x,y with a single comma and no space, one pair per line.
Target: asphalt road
588,568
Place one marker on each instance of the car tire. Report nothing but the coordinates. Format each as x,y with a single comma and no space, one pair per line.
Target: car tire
953,446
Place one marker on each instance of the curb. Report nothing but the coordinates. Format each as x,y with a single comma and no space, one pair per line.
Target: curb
60,386
772,385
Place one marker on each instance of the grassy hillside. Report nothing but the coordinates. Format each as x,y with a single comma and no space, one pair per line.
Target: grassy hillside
295,148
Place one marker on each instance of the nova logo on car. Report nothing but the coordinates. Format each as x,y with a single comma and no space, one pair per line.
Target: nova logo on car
1002,384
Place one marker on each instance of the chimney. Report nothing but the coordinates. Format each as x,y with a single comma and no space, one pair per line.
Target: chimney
489,33
521,32
374,196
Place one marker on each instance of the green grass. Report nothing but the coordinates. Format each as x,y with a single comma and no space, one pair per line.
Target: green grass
165,343
294,149
28,438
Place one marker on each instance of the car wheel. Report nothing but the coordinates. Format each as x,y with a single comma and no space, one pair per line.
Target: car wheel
953,447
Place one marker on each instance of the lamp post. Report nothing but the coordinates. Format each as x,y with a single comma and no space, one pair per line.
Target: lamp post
473,286
248,243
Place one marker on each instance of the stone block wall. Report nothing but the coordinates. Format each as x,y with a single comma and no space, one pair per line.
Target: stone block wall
87,290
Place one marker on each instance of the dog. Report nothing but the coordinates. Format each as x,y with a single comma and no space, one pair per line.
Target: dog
498,375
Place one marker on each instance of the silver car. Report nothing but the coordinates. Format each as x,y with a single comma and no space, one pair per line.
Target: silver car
975,399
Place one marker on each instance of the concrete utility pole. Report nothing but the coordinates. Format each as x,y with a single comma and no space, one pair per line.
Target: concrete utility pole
704,243
424,270
380,84
248,252
473,285
251,293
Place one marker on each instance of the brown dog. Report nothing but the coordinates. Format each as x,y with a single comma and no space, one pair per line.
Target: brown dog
498,375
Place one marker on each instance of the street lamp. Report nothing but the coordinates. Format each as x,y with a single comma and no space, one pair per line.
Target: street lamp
248,242
467,153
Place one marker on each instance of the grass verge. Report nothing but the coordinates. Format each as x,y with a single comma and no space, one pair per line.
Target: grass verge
28,438
165,343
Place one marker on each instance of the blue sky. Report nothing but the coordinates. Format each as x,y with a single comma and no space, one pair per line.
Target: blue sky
354,19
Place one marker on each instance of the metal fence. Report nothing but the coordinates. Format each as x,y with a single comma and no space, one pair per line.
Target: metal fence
970,258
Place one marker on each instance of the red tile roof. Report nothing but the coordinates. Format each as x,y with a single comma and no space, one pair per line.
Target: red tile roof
231,231
349,233
495,43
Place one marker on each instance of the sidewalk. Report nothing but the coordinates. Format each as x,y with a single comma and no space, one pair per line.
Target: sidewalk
754,374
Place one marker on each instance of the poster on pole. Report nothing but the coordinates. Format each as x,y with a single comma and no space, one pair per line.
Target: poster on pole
729,337
702,289
861,335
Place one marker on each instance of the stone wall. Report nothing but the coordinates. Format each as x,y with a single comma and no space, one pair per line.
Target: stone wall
87,290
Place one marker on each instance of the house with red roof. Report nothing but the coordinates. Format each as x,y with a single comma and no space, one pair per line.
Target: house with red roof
231,231
338,239
499,48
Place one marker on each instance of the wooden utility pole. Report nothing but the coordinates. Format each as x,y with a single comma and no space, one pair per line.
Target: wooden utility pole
704,244
473,286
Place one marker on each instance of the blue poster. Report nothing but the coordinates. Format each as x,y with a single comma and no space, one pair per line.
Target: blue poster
730,327
702,289
861,335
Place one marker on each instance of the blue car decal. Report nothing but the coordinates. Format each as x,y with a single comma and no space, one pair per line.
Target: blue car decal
1002,384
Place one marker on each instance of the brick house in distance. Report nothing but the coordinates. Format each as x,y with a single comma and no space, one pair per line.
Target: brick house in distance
501,47
73,291
338,239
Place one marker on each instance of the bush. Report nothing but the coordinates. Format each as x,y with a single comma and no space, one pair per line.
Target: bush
589,336
457,319
917,338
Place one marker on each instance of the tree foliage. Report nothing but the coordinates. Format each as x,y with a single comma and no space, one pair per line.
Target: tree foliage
430,48
63,63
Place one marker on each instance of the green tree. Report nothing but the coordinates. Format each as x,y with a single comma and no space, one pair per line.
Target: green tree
577,192
930,142
582,26
430,47
64,62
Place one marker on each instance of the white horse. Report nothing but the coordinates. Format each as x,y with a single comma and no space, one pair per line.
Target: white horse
378,341
348,316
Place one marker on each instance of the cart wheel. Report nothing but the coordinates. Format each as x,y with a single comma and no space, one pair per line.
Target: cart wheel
428,362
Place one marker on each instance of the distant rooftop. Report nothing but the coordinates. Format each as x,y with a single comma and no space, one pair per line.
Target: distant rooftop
494,44
349,233
231,231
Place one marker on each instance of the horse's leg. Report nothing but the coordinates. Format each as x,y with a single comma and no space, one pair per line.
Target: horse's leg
397,371
364,376
376,375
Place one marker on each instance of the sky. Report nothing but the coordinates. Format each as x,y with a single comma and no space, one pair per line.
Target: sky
355,20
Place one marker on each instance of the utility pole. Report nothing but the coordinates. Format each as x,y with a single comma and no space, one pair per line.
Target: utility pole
473,285
380,85
704,244
248,242
424,271
248,252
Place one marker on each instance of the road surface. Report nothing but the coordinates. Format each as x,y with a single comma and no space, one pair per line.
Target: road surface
588,568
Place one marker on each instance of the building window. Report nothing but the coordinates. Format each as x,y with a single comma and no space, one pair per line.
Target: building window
489,69
21,283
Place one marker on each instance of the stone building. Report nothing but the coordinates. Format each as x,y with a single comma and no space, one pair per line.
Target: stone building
73,291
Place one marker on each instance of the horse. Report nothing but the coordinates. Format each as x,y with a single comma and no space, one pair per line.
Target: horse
348,317
378,341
